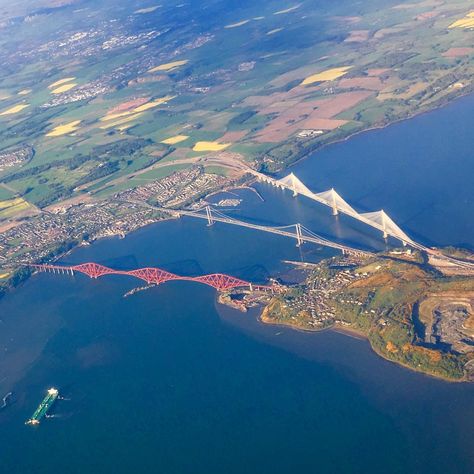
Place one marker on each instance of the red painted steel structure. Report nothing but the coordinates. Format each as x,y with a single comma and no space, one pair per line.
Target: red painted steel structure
219,281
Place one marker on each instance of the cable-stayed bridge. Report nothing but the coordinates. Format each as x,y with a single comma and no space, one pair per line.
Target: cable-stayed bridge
379,220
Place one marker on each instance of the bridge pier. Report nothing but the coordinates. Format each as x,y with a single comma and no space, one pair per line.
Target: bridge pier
299,235
335,211
384,225
210,220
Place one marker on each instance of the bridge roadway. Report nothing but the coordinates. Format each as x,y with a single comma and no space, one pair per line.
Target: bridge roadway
300,234
219,281
378,220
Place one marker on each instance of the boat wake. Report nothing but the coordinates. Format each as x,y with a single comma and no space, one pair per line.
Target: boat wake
5,400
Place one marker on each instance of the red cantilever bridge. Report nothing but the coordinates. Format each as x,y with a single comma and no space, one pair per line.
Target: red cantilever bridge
219,281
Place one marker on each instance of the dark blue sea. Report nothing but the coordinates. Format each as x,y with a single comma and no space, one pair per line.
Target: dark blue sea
167,381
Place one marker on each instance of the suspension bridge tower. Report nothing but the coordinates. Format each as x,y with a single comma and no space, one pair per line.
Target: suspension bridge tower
210,220
299,235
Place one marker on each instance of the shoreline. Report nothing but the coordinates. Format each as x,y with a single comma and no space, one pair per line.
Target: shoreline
359,335
348,331
247,184
373,128
26,277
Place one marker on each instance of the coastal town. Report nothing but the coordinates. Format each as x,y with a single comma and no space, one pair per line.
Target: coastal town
111,121
236,236
177,189
409,312
52,231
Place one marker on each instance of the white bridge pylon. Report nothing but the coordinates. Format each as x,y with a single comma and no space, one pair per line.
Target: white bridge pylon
379,220
387,224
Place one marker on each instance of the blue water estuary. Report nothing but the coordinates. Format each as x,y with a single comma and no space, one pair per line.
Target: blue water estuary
167,381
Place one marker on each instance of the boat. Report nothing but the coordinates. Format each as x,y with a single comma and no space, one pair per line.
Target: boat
44,406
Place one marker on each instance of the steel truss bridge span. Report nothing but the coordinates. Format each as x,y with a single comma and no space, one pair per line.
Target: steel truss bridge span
218,281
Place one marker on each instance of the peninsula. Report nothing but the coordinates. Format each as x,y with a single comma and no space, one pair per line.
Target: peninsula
409,311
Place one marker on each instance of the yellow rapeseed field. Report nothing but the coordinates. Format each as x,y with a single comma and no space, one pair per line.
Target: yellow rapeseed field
169,66
15,109
210,146
64,129
122,128
235,25
466,22
64,88
121,121
117,115
13,206
61,82
328,75
11,203
130,115
174,140
4,275
153,103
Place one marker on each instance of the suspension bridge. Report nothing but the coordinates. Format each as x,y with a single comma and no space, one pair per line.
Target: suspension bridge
295,231
300,233
378,220
152,275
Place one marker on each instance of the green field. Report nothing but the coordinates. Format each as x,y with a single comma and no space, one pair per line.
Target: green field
384,303
234,84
